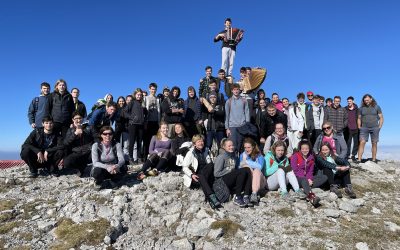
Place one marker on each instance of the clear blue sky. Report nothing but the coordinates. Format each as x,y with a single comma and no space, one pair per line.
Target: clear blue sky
331,47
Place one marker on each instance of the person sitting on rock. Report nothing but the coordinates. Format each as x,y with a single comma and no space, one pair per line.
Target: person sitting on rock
278,135
337,170
337,142
303,163
198,170
279,171
238,180
43,149
78,142
180,144
108,160
252,159
159,153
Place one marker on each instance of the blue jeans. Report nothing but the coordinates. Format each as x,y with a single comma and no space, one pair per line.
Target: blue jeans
237,138
217,135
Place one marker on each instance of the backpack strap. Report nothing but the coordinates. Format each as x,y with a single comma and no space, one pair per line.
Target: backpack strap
113,148
36,104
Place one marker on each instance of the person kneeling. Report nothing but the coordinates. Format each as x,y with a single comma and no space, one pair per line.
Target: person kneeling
43,149
108,160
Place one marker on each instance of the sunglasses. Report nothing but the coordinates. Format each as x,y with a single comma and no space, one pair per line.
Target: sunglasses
110,134
327,128
310,95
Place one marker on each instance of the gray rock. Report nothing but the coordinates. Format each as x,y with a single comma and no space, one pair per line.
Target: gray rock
181,244
331,197
333,213
358,202
376,210
215,233
348,206
362,246
46,225
35,217
105,212
372,167
199,227
301,205
171,219
107,240
390,226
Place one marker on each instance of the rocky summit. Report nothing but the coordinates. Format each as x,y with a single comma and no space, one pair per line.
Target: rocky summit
66,212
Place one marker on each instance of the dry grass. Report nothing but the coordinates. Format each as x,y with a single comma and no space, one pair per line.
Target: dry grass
72,235
229,227
7,217
98,199
7,204
26,236
7,227
375,187
285,212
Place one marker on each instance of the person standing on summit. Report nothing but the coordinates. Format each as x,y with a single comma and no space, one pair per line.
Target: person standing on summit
230,37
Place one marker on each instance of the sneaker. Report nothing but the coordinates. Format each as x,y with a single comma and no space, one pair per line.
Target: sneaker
353,158
349,191
213,201
375,161
313,199
141,176
299,194
33,175
254,198
153,172
246,200
238,200
335,189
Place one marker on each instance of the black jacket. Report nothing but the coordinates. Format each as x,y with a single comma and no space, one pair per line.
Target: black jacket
135,113
217,117
78,144
166,107
36,142
268,123
60,107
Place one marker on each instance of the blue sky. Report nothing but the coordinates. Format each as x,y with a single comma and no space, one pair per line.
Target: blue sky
330,47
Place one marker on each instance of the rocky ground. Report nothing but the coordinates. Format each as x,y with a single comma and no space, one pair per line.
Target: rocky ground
160,213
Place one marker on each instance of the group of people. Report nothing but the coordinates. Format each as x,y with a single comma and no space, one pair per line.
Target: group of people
223,143
223,139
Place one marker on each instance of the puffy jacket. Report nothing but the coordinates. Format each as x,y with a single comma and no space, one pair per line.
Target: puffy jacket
60,107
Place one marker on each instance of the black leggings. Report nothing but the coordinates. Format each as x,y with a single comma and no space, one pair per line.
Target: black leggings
206,179
340,178
157,161
239,180
77,160
135,135
101,174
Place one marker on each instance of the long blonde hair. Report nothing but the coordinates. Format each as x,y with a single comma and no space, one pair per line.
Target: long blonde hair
159,136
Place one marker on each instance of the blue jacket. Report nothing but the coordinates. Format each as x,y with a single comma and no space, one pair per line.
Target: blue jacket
37,110
100,118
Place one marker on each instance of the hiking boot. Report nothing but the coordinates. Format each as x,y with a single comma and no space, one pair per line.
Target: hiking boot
254,198
286,197
153,172
238,200
335,189
299,194
348,190
33,175
313,199
246,200
213,201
